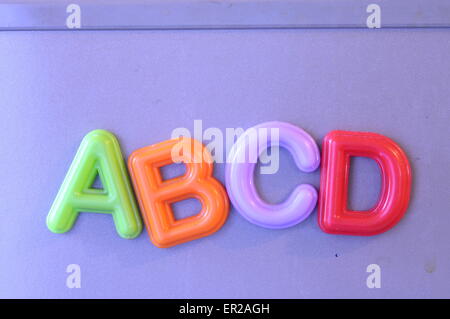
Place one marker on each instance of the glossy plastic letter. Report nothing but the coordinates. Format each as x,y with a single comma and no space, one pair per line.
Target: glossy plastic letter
98,154
239,175
155,195
334,217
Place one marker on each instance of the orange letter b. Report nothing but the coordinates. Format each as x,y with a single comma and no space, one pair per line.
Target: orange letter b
155,195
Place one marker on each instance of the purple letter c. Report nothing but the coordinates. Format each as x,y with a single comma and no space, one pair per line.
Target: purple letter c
239,176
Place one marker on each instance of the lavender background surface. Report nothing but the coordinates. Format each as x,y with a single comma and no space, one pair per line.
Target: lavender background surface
57,86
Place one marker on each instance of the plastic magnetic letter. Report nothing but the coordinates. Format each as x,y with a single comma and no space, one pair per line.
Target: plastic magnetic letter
334,217
240,169
156,195
99,154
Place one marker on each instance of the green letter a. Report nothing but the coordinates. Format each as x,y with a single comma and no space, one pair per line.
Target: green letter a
98,154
